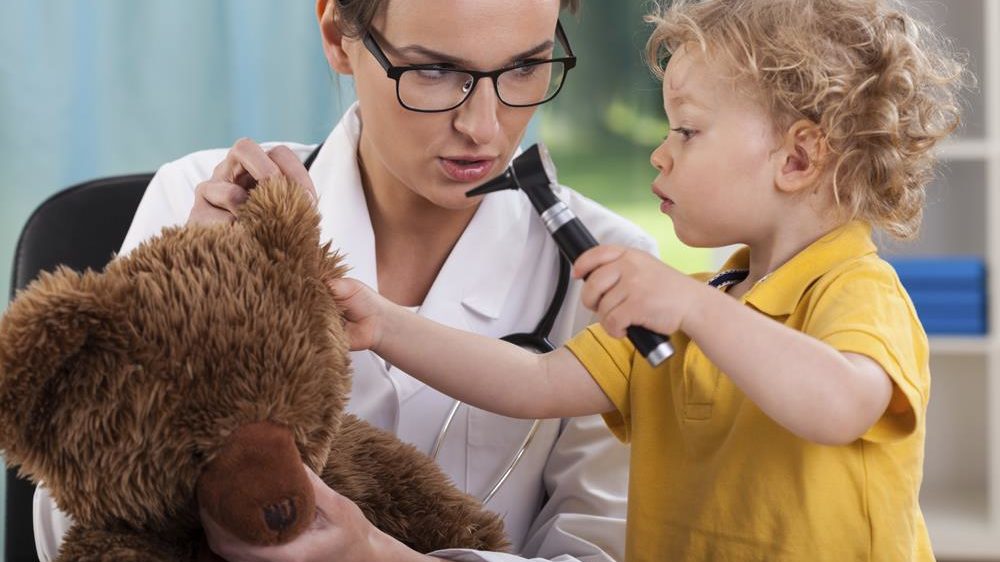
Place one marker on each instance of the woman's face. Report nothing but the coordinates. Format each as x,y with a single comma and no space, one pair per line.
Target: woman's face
439,156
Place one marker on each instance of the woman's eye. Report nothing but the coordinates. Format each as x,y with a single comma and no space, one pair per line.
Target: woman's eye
430,73
526,70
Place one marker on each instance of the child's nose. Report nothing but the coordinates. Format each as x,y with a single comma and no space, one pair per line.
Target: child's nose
660,158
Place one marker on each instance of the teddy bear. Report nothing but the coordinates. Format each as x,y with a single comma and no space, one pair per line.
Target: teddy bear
206,370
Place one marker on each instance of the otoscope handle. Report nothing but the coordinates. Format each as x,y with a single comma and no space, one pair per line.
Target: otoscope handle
574,239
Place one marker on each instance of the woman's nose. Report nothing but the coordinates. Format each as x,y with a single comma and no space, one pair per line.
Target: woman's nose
477,117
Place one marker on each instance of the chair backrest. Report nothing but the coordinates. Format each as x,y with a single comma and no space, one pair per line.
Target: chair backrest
80,227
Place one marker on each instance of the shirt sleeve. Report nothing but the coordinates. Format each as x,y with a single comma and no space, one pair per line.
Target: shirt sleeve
609,362
866,311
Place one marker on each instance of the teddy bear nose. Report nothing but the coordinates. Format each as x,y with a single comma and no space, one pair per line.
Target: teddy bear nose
280,515
256,486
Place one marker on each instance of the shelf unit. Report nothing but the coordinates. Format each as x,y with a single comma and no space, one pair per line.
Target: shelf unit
960,496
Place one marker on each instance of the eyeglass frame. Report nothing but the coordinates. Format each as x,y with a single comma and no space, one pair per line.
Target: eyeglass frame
395,72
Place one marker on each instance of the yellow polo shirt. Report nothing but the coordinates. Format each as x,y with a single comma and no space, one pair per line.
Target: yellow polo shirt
713,478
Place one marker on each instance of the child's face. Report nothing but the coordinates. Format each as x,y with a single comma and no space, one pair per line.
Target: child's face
717,165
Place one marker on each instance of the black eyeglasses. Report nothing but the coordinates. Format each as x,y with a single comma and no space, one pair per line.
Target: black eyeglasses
432,88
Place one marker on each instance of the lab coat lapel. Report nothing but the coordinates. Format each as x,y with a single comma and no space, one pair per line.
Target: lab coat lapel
342,200
346,224
473,284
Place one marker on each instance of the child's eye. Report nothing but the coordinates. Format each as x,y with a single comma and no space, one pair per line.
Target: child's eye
684,131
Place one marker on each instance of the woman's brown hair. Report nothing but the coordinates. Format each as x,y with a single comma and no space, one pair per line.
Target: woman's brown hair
357,15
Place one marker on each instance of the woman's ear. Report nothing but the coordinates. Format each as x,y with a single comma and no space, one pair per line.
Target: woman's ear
803,155
333,37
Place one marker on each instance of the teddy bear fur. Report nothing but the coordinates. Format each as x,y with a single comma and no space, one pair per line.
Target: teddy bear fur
206,369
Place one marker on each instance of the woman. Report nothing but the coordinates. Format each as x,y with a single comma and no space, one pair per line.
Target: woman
390,183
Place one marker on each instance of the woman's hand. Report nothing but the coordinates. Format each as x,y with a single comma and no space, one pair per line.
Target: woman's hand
218,198
364,312
339,532
627,287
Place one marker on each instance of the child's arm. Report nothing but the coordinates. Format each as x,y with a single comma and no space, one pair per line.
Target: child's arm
485,372
810,388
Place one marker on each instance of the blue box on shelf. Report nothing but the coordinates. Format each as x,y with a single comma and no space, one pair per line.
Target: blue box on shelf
948,292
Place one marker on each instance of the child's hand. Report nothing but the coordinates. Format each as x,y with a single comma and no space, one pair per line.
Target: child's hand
627,287
363,311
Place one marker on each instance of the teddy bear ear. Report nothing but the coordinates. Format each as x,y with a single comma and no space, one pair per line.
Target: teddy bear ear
281,215
50,324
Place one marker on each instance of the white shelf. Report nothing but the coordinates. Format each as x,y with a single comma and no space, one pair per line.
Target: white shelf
960,497
960,525
960,345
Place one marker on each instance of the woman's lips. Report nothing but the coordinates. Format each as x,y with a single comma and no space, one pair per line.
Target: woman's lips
466,170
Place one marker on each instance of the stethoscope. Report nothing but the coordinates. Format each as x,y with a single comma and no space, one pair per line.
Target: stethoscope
536,340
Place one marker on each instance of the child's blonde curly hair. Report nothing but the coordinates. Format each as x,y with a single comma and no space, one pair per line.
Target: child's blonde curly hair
881,86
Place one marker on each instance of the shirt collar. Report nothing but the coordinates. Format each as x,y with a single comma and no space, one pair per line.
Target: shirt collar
779,293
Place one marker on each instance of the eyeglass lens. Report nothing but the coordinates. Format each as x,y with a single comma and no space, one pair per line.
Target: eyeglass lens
439,89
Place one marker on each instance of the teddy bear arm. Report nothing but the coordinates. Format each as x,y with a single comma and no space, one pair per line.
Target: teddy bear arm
404,493
85,544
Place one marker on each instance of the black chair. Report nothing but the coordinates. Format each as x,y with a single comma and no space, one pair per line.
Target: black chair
80,227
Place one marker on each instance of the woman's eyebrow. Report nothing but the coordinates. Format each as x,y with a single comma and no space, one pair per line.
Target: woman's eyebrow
449,59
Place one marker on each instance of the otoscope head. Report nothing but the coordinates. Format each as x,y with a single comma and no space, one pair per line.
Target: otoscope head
506,180
533,168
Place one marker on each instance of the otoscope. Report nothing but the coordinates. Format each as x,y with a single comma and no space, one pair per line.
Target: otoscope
534,173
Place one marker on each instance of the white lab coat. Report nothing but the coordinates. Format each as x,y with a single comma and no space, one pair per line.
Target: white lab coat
566,499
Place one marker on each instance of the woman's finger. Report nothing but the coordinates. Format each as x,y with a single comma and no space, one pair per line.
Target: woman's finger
223,195
245,164
292,168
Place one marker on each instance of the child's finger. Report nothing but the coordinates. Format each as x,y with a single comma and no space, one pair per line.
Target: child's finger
617,318
594,258
344,289
611,300
599,281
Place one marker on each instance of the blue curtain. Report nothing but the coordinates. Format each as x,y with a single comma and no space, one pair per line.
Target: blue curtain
91,88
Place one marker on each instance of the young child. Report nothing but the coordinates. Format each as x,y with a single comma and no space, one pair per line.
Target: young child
789,425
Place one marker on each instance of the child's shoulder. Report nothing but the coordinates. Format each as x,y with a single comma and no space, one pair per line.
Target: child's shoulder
865,283
869,268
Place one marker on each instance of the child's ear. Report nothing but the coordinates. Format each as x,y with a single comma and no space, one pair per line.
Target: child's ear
333,37
802,156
